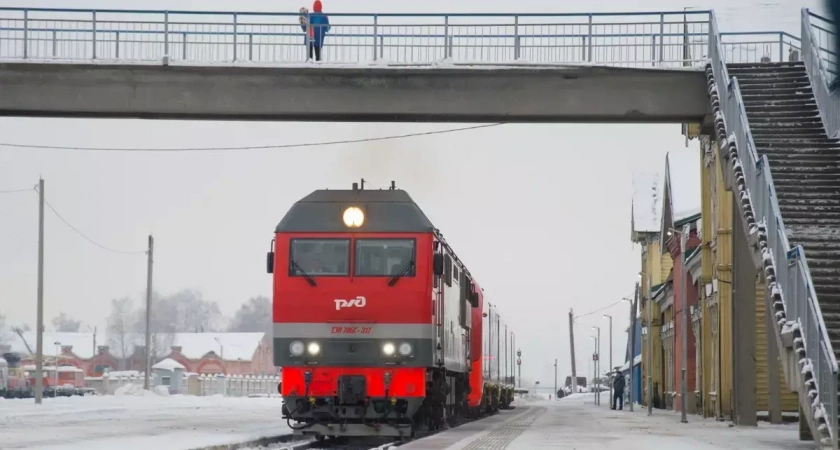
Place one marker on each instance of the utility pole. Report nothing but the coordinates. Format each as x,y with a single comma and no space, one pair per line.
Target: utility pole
150,252
598,365
39,341
519,366
611,361
633,307
684,327
572,344
555,378
650,345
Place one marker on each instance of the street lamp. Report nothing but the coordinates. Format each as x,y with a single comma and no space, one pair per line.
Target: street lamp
607,316
683,301
598,363
57,355
222,354
594,370
633,306
519,366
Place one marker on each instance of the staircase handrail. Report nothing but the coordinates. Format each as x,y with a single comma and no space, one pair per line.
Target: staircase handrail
793,283
828,104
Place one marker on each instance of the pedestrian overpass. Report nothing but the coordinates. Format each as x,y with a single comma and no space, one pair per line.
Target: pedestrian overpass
762,98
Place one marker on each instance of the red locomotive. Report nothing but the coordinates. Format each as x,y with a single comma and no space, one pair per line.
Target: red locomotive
380,329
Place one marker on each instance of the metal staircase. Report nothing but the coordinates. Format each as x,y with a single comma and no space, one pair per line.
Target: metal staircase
785,172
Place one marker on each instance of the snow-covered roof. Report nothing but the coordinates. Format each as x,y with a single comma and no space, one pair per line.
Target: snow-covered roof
31,367
682,179
237,346
169,364
647,202
636,361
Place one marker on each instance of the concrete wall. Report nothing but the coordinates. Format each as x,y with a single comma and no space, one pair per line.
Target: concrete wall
380,94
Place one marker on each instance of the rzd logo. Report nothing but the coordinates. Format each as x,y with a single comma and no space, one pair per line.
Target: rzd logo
358,302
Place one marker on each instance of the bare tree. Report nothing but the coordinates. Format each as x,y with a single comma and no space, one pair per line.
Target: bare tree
253,316
3,330
120,328
65,323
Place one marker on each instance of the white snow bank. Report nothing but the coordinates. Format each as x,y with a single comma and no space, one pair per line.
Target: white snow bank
132,422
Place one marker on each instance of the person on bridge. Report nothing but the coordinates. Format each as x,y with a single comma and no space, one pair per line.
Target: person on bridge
316,30
618,391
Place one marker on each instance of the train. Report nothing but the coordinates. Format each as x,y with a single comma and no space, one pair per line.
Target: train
379,327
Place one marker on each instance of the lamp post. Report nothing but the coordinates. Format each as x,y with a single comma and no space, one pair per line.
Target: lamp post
519,366
683,301
598,363
607,316
633,306
57,355
594,385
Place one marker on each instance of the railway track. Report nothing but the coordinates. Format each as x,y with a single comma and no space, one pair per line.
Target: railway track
296,442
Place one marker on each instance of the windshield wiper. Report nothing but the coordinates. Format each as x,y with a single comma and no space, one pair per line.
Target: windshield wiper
308,277
402,272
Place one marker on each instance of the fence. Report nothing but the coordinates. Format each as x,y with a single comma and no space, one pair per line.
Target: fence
820,56
790,266
234,385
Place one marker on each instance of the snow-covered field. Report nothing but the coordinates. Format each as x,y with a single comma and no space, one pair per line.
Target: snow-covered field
137,422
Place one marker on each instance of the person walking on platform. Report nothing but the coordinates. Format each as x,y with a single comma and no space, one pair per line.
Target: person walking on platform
316,29
618,391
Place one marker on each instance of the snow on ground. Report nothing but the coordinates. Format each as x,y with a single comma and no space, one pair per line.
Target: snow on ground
575,423
137,422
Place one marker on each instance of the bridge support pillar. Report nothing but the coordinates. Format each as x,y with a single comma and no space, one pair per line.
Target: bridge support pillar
743,324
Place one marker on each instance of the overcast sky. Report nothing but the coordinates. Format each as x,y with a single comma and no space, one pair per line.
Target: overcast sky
540,213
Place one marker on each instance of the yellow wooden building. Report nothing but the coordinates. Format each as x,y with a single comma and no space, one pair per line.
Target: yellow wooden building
655,268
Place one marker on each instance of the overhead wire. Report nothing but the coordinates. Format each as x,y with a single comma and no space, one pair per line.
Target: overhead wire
84,236
599,310
13,191
249,147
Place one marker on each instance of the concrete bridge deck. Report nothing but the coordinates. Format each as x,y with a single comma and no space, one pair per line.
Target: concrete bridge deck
456,93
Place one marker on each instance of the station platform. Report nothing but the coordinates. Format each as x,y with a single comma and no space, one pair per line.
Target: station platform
576,423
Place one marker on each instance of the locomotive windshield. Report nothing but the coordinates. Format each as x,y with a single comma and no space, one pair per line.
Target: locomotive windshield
320,257
384,257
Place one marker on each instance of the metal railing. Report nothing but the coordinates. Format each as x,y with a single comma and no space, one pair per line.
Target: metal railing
644,39
820,56
793,277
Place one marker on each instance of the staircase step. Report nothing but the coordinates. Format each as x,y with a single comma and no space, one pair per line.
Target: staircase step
799,150
787,141
808,174
829,284
764,96
795,169
829,303
815,213
780,103
808,203
786,78
784,115
795,158
790,125
791,194
775,89
824,221
816,183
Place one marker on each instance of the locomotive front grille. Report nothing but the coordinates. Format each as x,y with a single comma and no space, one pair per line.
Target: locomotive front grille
352,389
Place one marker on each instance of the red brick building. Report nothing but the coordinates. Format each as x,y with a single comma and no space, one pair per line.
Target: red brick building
681,208
209,353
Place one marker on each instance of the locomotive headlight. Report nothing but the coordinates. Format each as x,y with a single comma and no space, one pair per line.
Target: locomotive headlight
296,348
314,348
388,349
405,349
354,217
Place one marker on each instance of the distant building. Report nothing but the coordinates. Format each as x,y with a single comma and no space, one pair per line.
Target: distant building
581,381
201,353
